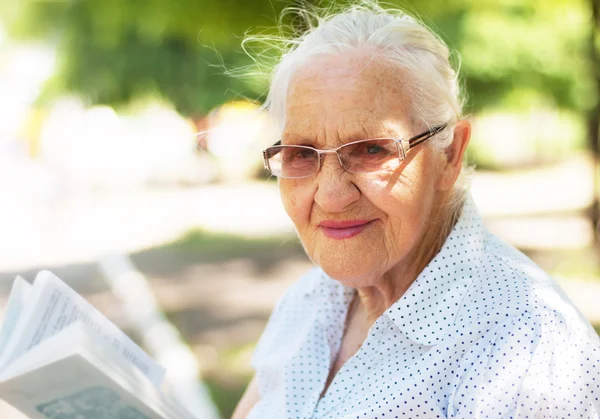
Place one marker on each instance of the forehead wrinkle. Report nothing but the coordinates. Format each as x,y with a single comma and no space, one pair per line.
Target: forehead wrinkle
378,129
361,60
345,133
371,104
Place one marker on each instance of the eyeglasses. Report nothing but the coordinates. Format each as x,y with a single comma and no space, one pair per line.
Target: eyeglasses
363,156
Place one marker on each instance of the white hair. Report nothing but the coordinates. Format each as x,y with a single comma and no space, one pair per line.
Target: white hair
432,82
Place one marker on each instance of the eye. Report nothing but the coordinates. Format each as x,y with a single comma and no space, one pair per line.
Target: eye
373,148
295,154
368,148
300,153
305,153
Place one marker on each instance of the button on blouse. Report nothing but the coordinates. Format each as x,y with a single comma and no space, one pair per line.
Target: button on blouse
482,332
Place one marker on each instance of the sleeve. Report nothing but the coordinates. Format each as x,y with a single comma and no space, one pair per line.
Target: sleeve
530,366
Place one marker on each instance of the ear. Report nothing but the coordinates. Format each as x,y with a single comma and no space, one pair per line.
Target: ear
455,153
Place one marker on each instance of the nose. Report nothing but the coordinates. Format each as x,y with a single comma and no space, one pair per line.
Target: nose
335,189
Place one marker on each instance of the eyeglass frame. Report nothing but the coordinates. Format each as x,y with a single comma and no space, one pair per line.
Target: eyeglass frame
400,144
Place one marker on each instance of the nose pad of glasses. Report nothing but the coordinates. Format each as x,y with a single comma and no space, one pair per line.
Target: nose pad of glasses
344,161
323,156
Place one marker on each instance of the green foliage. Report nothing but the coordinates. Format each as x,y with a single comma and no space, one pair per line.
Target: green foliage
228,378
226,393
112,51
525,50
515,53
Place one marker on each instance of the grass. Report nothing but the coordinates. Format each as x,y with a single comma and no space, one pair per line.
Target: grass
228,378
221,246
199,247
226,393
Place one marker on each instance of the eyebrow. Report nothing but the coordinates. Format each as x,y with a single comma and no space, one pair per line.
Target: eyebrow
355,135
298,141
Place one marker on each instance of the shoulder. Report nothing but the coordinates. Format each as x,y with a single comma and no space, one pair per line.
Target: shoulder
526,346
529,332
532,363
510,285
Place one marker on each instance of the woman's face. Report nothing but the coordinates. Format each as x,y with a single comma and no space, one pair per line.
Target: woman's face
357,227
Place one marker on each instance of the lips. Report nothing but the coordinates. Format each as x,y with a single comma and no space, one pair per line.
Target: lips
340,230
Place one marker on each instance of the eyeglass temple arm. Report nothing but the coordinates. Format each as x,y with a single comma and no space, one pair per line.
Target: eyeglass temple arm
425,136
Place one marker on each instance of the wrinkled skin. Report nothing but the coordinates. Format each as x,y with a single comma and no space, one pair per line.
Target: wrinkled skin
335,99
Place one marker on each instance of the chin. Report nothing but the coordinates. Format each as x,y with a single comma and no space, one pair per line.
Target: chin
348,273
347,263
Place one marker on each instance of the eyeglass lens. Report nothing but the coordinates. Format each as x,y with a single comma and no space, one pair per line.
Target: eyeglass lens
359,157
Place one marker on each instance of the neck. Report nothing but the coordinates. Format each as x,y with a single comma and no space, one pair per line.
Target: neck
376,299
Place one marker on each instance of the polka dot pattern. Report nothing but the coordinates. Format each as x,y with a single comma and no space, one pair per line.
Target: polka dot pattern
482,333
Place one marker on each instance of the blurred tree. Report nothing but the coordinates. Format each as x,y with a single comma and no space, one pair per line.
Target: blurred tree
113,51
594,113
517,53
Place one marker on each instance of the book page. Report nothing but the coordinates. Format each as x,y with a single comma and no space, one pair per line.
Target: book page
52,306
75,387
85,380
19,294
51,350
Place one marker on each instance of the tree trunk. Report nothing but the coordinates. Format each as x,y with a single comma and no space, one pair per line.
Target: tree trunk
594,115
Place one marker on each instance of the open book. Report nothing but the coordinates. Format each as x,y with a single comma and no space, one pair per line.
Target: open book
60,358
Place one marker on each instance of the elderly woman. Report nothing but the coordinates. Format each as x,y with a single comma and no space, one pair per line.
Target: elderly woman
414,309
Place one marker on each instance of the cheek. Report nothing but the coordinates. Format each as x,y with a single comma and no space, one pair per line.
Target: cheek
297,200
404,197
394,193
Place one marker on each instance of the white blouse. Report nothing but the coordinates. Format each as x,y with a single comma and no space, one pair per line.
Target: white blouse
482,333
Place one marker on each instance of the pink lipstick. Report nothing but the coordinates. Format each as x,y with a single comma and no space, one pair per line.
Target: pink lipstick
339,230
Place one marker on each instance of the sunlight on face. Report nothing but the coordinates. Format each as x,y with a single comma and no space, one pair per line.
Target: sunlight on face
357,227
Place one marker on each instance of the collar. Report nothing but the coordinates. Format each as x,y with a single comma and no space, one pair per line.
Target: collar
318,284
427,310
